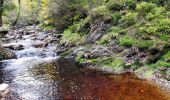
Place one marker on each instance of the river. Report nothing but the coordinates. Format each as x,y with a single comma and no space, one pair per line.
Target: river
39,74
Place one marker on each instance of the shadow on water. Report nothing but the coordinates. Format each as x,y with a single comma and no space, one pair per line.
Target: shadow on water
68,82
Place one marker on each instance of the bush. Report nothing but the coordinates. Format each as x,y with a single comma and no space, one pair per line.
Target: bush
101,10
143,8
156,13
83,26
130,4
163,25
116,17
115,5
129,19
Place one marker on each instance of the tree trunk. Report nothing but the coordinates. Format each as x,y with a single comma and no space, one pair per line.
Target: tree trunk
0,19
18,15
1,10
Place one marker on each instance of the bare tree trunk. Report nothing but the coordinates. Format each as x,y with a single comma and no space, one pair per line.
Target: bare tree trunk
1,10
18,15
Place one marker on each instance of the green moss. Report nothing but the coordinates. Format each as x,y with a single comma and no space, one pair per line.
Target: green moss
47,27
66,53
163,64
145,72
146,44
1,57
167,56
111,62
127,41
104,40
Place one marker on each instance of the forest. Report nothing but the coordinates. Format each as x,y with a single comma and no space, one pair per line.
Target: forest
85,49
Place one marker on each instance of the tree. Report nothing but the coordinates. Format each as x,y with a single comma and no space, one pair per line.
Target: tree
1,11
18,15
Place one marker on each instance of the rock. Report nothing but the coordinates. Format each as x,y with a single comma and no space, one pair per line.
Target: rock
3,87
6,93
7,53
38,45
48,39
41,36
5,90
14,47
97,31
3,33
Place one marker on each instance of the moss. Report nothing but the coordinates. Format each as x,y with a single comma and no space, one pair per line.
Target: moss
145,72
47,27
66,53
1,57
104,40
166,56
111,62
146,44
127,41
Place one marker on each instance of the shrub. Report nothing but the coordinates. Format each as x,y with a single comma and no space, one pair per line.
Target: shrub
81,27
115,5
163,25
101,10
129,19
143,8
156,13
130,4
116,17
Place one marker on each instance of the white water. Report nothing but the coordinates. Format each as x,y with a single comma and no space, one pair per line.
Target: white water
16,71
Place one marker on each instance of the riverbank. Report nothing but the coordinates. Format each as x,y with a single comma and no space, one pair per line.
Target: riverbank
102,59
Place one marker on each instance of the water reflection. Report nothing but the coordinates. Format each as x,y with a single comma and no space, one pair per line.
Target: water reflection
67,82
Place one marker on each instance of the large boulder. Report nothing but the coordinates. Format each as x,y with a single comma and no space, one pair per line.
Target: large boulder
6,54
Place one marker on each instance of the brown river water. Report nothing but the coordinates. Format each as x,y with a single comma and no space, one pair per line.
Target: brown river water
64,81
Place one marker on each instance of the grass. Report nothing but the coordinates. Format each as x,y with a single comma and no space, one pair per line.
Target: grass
146,44
111,62
72,38
127,41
